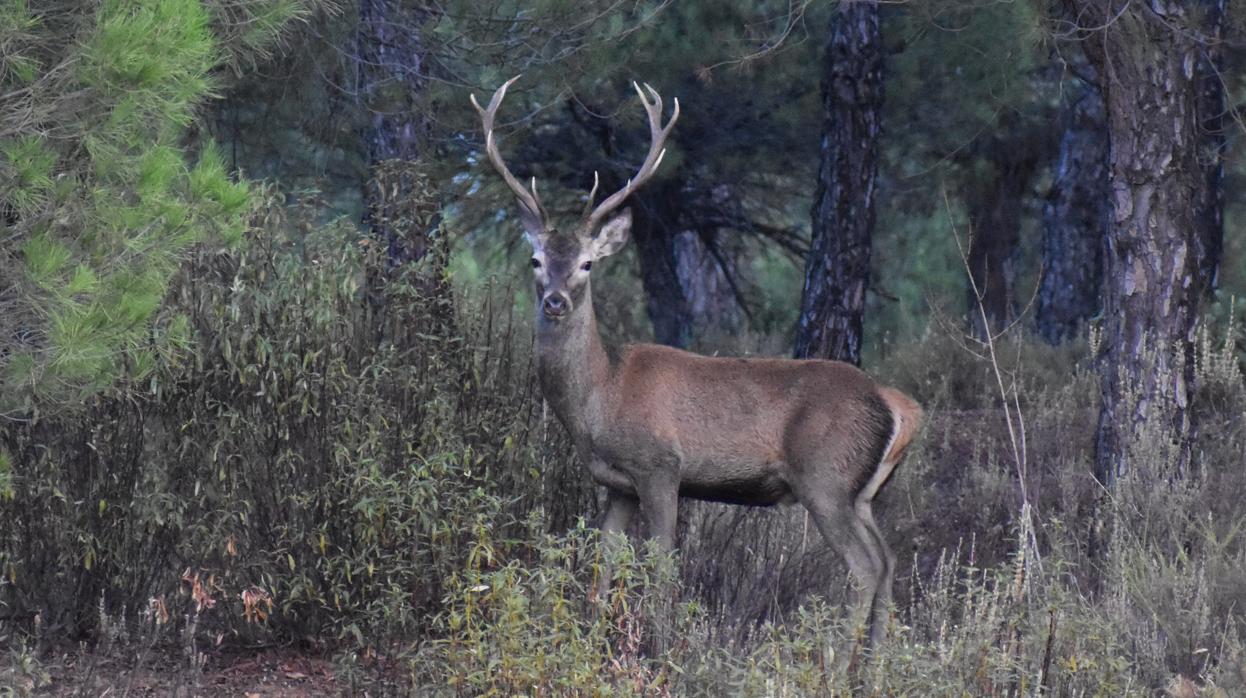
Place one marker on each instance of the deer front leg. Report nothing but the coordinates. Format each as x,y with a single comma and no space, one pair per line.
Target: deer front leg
659,497
620,510
660,500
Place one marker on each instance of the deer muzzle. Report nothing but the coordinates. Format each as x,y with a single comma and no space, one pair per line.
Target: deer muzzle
555,305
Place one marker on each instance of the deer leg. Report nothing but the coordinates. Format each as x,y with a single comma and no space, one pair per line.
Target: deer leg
866,513
660,500
659,497
849,535
620,510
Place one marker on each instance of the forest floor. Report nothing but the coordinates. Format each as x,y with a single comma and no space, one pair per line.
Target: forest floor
234,673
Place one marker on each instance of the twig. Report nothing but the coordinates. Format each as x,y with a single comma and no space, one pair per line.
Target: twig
1045,673
1012,408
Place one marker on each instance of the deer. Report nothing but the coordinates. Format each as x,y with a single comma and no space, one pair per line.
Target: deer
654,423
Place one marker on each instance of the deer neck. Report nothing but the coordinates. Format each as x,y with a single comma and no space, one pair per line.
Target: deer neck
573,366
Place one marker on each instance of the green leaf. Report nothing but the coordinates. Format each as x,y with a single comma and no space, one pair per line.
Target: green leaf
158,169
31,161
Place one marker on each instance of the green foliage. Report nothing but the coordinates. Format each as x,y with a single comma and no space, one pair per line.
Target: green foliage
6,475
961,65
249,31
155,53
24,673
516,620
17,25
98,182
520,626
30,169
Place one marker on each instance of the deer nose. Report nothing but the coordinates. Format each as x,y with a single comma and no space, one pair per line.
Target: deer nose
555,305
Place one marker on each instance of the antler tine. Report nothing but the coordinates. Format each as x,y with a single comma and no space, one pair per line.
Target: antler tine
592,194
657,136
528,199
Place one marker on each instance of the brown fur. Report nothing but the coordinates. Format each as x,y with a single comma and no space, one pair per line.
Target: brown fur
739,421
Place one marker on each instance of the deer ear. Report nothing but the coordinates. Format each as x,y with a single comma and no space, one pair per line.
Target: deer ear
613,235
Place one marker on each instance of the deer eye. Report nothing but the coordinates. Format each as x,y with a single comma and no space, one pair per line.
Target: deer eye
586,266
536,263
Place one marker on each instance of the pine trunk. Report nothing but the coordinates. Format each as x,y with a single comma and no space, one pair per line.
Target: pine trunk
995,226
1152,283
706,271
1000,168
655,219
390,56
1212,110
837,272
1075,219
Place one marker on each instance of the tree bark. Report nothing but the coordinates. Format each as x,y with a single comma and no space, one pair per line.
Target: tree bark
1075,219
1212,110
995,221
706,270
837,271
1002,167
655,225
1152,283
390,56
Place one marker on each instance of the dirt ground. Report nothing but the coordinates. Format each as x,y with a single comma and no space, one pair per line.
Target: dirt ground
266,674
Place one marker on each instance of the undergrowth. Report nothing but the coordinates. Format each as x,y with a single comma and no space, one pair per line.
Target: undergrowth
353,459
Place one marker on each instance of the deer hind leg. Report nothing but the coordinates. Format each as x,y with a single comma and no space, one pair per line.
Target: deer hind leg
849,534
882,600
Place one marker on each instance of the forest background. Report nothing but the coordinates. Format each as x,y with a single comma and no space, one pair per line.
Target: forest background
265,343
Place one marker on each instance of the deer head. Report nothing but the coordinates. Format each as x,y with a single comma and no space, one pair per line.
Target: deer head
563,259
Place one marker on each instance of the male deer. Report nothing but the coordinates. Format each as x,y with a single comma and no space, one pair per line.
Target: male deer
655,423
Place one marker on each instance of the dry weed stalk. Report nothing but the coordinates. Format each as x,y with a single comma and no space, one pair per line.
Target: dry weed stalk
1008,393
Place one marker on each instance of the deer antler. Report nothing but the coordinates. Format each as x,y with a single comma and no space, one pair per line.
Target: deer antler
657,135
528,199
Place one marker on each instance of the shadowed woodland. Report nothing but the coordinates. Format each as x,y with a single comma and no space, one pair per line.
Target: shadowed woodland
270,416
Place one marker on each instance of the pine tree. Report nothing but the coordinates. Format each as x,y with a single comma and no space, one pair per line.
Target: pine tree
102,188
837,273
1152,284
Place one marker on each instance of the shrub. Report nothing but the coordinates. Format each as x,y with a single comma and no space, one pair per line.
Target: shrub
326,445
